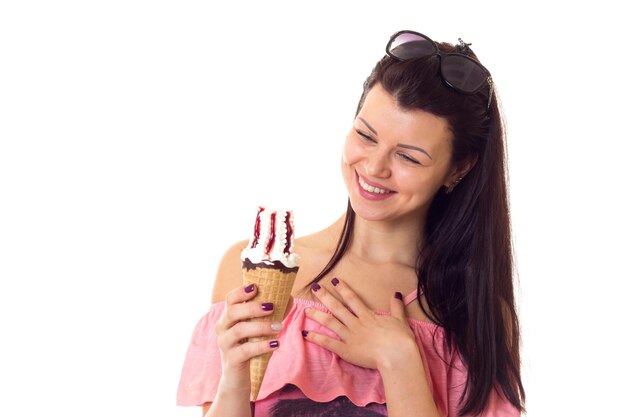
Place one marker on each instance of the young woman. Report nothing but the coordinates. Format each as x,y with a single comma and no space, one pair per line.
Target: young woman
404,306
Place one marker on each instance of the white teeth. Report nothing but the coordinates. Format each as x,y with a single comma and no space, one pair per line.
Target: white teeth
371,189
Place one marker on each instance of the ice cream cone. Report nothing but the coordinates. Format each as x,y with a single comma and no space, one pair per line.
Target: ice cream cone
274,285
271,265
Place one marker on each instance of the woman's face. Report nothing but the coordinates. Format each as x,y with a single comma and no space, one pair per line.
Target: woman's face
395,160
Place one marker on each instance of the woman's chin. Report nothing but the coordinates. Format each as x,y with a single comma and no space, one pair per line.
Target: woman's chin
367,212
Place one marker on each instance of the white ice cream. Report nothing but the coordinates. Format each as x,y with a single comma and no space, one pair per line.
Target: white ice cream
257,249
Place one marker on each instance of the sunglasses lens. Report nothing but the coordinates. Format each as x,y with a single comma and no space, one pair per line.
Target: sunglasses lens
410,45
462,73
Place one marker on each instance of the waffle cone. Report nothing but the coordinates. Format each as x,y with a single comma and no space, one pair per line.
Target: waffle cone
273,286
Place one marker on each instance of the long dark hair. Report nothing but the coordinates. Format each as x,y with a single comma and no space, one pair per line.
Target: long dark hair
465,263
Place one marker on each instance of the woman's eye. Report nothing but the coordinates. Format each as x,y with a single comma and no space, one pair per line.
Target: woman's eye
409,159
365,137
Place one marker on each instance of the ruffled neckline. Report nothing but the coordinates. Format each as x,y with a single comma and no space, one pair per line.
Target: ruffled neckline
320,374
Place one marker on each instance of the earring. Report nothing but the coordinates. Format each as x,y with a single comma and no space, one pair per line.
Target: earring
454,184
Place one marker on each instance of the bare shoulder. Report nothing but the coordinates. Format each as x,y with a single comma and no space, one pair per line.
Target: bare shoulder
229,272
315,251
313,241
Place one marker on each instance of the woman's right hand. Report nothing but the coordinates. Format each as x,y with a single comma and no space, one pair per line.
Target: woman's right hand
233,330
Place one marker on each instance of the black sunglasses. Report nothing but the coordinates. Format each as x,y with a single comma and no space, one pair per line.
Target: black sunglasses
459,71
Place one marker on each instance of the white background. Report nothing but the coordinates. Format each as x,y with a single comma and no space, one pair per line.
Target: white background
138,137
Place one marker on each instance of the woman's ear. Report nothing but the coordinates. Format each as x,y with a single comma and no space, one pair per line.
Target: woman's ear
459,172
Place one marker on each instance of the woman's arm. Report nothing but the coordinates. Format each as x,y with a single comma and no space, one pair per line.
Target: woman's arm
234,403
406,387
384,343
233,393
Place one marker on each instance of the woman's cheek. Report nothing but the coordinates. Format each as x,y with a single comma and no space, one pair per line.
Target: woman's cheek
350,152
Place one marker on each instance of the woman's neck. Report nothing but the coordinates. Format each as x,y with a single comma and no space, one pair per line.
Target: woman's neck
380,242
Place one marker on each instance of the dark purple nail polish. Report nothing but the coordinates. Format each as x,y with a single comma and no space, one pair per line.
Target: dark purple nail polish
315,286
249,288
274,344
398,295
305,333
334,281
267,306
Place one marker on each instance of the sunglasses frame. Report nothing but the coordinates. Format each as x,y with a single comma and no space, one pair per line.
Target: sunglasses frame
442,56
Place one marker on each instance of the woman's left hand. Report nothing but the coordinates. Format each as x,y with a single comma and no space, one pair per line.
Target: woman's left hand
367,339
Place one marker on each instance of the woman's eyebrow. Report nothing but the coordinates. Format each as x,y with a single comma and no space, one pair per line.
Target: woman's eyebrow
402,145
368,125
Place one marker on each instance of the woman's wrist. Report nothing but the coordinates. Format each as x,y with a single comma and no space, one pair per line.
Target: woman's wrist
406,385
403,354
231,399
235,385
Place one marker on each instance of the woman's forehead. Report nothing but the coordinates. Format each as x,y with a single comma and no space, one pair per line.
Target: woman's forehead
382,114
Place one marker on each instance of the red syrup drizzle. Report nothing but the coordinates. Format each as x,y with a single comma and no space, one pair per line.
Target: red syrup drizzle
270,243
257,228
289,233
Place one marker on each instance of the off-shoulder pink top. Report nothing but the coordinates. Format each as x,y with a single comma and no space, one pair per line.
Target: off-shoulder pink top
303,378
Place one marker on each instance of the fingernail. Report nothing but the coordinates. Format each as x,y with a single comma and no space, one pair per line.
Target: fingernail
276,326
274,344
267,306
249,288
334,281
315,286
305,333
398,295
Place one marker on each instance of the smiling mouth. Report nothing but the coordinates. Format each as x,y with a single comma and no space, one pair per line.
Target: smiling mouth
370,188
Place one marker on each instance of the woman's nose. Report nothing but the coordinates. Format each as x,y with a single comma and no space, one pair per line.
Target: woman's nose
377,165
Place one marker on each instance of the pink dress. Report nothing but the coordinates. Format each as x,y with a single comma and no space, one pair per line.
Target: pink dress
303,379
